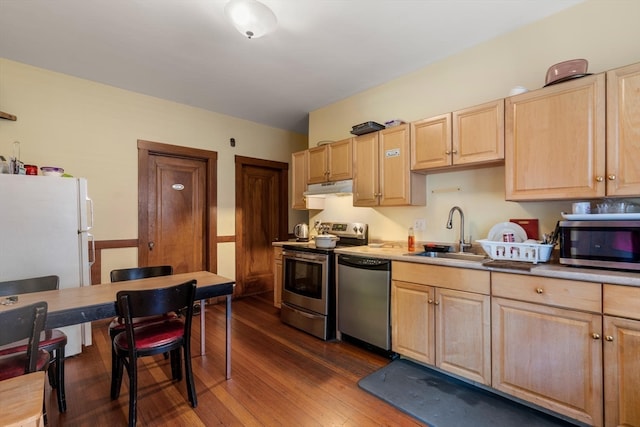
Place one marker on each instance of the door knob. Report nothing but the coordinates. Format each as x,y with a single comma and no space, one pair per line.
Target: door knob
151,245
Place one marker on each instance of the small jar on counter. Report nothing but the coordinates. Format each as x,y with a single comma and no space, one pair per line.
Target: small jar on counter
411,241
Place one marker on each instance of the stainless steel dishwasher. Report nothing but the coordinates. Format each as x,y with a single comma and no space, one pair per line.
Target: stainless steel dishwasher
364,299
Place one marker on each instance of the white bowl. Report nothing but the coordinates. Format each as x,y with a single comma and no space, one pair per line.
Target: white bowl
51,171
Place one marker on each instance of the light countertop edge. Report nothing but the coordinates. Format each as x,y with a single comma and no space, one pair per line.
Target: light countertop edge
552,270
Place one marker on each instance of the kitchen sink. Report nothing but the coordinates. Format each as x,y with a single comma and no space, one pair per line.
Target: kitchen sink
464,256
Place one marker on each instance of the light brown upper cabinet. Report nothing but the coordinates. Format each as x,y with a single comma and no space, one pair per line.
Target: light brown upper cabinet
299,162
555,142
382,175
330,162
623,131
468,137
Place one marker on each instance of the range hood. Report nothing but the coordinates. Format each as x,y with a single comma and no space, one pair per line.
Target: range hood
328,188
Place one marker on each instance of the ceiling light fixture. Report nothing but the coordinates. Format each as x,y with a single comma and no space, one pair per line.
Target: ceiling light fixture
252,18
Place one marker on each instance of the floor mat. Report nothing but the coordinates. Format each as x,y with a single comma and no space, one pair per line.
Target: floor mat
441,401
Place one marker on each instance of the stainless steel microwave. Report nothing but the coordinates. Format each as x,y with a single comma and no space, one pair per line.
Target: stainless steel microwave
602,244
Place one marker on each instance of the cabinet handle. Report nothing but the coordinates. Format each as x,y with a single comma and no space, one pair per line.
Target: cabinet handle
437,303
448,152
599,179
595,336
454,151
608,338
430,301
539,290
611,177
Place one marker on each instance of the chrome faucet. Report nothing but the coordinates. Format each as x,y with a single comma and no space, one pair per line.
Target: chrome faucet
462,244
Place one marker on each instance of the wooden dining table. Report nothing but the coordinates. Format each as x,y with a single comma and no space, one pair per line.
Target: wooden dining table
72,306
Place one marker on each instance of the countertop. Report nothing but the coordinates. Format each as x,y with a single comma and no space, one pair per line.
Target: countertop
548,269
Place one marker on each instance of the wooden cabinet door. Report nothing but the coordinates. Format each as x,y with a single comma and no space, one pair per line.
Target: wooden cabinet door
431,143
277,276
318,165
463,334
623,131
549,356
478,134
395,183
299,179
621,371
366,188
340,160
555,141
412,321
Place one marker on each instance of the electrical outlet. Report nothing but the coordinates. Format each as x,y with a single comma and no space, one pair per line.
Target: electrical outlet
420,224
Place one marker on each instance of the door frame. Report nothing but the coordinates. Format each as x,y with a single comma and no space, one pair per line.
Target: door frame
240,162
148,148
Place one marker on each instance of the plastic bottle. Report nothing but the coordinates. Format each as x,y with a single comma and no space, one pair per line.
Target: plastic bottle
411,241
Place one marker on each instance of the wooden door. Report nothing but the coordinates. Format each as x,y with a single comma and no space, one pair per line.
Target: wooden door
555,142
412,321
395,183
431,142
261,218
621,371
365,173
623,131
478,134
340,157
299,179
549,356
176,199
463,334
318,165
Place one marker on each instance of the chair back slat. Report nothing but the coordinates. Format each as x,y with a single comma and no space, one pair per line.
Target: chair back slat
27,286
123,274
153,302
24,323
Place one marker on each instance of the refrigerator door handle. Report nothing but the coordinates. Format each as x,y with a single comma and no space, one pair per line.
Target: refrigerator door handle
92,241
90,204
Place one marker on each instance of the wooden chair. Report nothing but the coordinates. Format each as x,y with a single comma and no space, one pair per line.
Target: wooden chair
117,325
51,340
169,335
16,326
19,324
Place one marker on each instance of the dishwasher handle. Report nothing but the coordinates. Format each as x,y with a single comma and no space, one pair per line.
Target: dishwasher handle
365,263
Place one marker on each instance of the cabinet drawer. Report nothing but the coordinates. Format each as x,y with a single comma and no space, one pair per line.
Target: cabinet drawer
572,294
460,279
623,301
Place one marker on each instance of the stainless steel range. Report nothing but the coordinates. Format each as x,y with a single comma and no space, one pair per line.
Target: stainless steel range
308,280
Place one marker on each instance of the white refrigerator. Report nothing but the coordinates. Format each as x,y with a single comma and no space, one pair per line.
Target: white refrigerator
44,230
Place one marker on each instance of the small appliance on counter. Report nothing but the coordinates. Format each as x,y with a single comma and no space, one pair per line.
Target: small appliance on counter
301,231
609,244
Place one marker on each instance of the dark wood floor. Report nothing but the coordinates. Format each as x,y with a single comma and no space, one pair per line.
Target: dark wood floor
280,377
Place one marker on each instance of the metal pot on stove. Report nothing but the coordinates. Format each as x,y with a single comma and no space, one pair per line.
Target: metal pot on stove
326,241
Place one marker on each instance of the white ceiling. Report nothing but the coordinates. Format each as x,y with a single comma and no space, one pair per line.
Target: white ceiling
186,50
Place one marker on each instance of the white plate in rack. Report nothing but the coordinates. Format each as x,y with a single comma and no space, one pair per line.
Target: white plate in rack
496,232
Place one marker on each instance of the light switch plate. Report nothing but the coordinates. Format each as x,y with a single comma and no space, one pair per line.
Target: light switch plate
420,224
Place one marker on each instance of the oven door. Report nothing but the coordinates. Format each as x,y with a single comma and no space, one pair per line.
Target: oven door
305,280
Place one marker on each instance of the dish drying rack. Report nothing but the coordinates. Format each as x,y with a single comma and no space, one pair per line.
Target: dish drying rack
527,252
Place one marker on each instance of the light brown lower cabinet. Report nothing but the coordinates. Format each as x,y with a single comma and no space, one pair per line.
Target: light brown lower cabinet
446,325
277,276
621,305
545,349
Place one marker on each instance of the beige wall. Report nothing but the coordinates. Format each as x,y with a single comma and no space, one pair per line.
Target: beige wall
603,31
91,130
